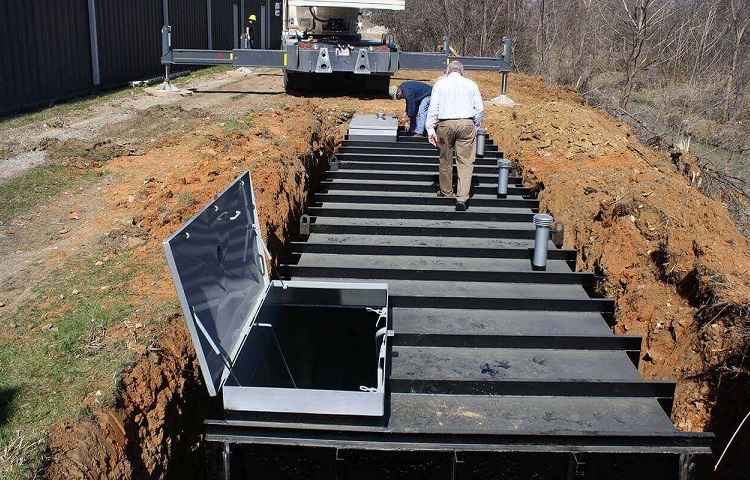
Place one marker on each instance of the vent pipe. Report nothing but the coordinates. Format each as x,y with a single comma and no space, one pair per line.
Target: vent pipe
481,138
503,170
543,223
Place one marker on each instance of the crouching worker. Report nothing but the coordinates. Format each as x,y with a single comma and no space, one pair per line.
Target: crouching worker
456,111
417,96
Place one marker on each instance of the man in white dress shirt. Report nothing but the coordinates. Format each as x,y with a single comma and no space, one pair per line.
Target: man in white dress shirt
456,111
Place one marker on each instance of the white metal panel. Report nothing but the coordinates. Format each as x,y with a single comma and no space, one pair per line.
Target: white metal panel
366,121
361,4
373,128
217,264
370,402
309,401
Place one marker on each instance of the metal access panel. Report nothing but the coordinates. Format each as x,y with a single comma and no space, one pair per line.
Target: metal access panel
373,128
284,347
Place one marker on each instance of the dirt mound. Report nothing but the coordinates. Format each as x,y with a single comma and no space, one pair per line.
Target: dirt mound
671,257
151,430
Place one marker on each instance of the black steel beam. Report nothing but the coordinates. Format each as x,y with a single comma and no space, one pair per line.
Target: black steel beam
489,150
560,342
536,387
417,251
498,216
405,140
391,187
422,231
401,143
403,157
601,442
401,146
566,278
402,176
601,305
385,199
431,167
373,154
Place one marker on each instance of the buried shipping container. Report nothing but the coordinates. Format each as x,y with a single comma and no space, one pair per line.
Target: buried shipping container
274,346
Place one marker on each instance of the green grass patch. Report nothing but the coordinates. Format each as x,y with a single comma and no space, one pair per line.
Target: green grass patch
231,125
54,114
57,349
37,186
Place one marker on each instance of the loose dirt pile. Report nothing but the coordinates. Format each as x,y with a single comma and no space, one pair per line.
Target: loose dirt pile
671,257
152,429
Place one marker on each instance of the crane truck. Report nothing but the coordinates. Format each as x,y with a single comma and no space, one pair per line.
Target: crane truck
323,37
322,40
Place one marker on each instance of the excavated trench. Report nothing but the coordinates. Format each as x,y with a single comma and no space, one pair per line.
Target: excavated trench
374,238
630,217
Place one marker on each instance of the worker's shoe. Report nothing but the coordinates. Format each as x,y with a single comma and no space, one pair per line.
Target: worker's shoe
461,206
442,194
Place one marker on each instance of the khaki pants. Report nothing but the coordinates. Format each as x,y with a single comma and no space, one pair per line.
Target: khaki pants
459,136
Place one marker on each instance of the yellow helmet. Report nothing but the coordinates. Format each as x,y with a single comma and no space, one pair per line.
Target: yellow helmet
252,18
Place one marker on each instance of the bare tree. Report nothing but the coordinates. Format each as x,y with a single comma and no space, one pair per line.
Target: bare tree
492,15
709,34
637,23
739,18
475,28
692,54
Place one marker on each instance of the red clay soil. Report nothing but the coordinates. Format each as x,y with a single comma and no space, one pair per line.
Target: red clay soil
148,433
671,257
151,432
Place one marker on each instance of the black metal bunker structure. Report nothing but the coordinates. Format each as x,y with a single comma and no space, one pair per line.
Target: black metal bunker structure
402,327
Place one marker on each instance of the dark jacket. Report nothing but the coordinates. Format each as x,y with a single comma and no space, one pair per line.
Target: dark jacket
414,92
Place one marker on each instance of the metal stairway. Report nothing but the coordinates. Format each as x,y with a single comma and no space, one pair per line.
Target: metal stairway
488,355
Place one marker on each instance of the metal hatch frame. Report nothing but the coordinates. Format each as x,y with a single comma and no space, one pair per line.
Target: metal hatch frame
378,127
366,402
219,270
198,331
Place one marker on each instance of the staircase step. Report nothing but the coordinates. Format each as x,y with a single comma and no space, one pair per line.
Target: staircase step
403,199
414,187
495,215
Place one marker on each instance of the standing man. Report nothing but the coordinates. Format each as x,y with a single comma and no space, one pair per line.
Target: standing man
249,30
456,111
417,96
